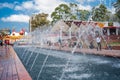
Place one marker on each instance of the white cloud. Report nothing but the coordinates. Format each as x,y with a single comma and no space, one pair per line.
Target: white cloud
41,6
16,18
82,1
6,5
18,8
46,6
91,0
25,5
88,7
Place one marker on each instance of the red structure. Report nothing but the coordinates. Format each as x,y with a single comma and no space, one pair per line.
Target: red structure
22,32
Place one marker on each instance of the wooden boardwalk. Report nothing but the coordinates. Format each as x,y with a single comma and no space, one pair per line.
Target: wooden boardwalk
11,67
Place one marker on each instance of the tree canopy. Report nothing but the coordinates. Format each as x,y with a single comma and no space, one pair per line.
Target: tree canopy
117,7
39,20
69,12
99,13
60,12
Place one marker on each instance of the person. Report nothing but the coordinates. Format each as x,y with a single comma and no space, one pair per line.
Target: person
60,43
91,46
98,40
109,47
5,43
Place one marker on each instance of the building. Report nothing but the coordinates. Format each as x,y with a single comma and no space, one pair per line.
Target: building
5,31
72,30
111,28
107,28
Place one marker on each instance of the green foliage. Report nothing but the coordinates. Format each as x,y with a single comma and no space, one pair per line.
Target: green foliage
72,12
69,12
73,17
117,7
60,12
110,24
84,15
115,43
100,13
39,20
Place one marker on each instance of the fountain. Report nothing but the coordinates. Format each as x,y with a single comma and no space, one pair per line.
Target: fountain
48,64
79,67
44,62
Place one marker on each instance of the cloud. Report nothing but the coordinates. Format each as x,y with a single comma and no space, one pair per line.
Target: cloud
16,18
91,0
39,6
82,1
6,5
88,7
25,5
47,6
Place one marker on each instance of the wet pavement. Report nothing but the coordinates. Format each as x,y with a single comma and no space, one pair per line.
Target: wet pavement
11,67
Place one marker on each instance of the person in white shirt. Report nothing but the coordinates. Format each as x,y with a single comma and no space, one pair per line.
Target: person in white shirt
98,40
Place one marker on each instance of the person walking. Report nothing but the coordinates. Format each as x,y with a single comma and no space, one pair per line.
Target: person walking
98,40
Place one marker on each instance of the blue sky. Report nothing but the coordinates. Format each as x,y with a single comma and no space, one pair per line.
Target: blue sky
15,14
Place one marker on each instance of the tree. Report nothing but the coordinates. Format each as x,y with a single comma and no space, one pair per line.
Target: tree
112,17
39,20
60,12
73,10
83,15
117,7
100,13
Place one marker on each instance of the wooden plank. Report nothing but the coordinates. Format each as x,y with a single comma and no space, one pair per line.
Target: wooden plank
22,72
9,76
3,77
15,74
1,70
6,65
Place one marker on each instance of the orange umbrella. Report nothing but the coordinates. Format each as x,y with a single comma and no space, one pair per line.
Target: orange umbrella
101,25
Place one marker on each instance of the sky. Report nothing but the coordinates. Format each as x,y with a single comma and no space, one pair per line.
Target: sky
15,14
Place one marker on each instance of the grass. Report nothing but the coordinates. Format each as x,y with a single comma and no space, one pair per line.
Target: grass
115,43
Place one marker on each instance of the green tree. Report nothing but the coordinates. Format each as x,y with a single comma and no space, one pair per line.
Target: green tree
117,7
39,20
112,17
100,13
84,15
73,10
60,12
